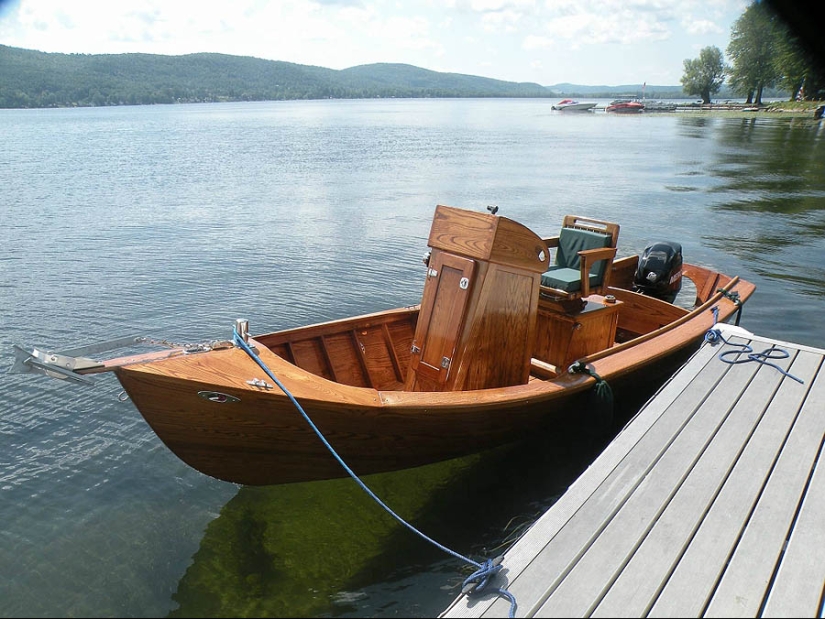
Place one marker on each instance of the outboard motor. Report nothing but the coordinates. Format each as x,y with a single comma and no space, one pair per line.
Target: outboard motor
659,273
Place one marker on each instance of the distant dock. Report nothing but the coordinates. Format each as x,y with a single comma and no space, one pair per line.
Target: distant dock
709,503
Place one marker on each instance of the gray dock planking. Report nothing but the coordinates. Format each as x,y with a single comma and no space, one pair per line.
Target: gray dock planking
709,503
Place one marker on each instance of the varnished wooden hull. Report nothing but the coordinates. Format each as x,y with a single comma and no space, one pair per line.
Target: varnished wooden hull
353,392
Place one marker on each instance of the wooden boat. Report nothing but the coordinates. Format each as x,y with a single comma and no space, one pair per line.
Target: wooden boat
493,353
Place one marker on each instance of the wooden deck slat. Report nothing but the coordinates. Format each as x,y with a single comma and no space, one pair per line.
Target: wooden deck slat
546,530
642,578
695,578
726,482
615,545
799,588
711,502
744,586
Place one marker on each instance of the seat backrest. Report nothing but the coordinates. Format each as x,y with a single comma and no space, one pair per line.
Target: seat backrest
581,233
574,240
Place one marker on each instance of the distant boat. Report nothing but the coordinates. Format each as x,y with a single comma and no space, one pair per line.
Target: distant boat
625,106
659,106
571,105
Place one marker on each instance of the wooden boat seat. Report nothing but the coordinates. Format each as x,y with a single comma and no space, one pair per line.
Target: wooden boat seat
584,253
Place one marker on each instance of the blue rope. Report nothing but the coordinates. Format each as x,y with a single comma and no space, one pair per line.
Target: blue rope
713,336
476,583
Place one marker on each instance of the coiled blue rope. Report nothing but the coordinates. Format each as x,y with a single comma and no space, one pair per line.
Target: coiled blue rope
477,582
714,336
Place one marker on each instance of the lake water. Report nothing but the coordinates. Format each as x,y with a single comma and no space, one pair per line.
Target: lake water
172,221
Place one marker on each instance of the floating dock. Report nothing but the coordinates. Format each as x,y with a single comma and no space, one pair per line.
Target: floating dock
709,503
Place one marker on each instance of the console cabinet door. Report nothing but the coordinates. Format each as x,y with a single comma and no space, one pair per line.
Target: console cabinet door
440,321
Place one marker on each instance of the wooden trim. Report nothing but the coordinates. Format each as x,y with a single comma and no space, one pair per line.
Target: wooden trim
327,358
542,369
291,351
669,327
338,326
396,364
359,351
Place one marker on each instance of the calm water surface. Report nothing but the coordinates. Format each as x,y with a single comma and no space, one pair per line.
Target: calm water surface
173,221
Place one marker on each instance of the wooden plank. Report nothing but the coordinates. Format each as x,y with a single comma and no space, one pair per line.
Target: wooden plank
342,325
344,359
290,356
396,365
640,582
692,583
643,530
325,350
378,356
797,590
608,470
588,580
362,358
744,585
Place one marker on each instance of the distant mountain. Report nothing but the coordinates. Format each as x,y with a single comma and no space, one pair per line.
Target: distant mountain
37,79
30,79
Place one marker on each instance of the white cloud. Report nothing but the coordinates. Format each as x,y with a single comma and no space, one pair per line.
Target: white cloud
505,39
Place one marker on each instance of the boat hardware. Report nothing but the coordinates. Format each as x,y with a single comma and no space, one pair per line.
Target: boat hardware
75,363
242,327
66,364
257,382
217,396
50,364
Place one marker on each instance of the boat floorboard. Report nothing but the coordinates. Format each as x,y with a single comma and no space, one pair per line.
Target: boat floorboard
709,503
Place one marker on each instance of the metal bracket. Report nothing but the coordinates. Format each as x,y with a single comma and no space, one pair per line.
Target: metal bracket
51,364
65,365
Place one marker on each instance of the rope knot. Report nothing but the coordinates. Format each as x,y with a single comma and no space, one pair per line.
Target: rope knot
602,399
713,336
476,583
733,296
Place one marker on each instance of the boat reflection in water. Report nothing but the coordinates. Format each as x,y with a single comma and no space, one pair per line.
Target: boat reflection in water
325,549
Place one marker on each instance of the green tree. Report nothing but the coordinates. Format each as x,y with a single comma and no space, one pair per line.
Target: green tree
704,75
754,49
800,71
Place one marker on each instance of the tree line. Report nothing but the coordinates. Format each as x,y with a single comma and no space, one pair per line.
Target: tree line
31,79
765,53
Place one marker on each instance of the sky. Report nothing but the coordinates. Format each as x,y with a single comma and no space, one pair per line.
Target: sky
586,42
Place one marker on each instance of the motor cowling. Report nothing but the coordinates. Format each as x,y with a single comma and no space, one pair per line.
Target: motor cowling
659,273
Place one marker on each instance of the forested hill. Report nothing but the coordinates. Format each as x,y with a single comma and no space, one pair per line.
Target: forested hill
31,79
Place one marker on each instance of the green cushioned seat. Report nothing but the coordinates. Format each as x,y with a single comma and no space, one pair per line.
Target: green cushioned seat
568,280
565,274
